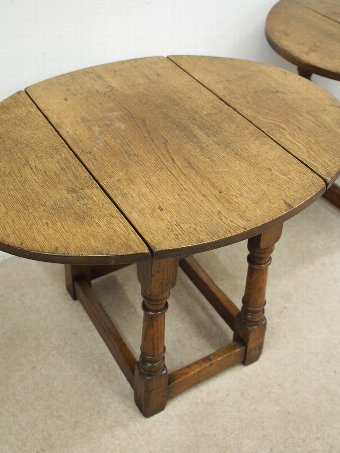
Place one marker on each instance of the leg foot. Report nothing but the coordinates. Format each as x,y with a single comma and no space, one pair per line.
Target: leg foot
151,391
250,324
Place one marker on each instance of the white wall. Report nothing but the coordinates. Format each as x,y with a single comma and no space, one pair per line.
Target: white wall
43,38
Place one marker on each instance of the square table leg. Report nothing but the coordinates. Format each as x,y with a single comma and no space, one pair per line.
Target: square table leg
304,73
74,272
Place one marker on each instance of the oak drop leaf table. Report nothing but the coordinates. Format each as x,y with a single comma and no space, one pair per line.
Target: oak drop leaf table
307,34
150,161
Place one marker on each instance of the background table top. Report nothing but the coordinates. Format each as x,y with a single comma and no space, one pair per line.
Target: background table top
307,33
161,156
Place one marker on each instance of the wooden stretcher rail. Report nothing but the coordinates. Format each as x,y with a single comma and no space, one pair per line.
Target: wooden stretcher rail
106,328
204,368
206,285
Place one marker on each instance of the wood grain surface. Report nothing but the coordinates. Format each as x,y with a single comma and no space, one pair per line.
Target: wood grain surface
300,116
50,207
188,171
327,8
303,32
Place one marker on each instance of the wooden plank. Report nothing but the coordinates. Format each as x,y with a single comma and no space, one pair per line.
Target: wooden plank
202,369
328,8
51,209
305,38
294,112
106,328
188,171
206,285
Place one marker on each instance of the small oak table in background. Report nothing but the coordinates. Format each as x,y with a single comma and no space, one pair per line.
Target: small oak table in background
150,161
307,34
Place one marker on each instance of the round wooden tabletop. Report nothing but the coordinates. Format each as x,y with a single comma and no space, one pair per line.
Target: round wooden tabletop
307,33
160,156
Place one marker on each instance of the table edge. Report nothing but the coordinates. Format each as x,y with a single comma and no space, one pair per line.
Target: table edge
204,247
74,259
295,60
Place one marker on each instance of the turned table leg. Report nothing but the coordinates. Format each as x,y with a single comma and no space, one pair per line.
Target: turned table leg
156,277
250,324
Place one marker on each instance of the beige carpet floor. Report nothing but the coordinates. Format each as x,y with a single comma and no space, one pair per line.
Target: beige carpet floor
61,391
